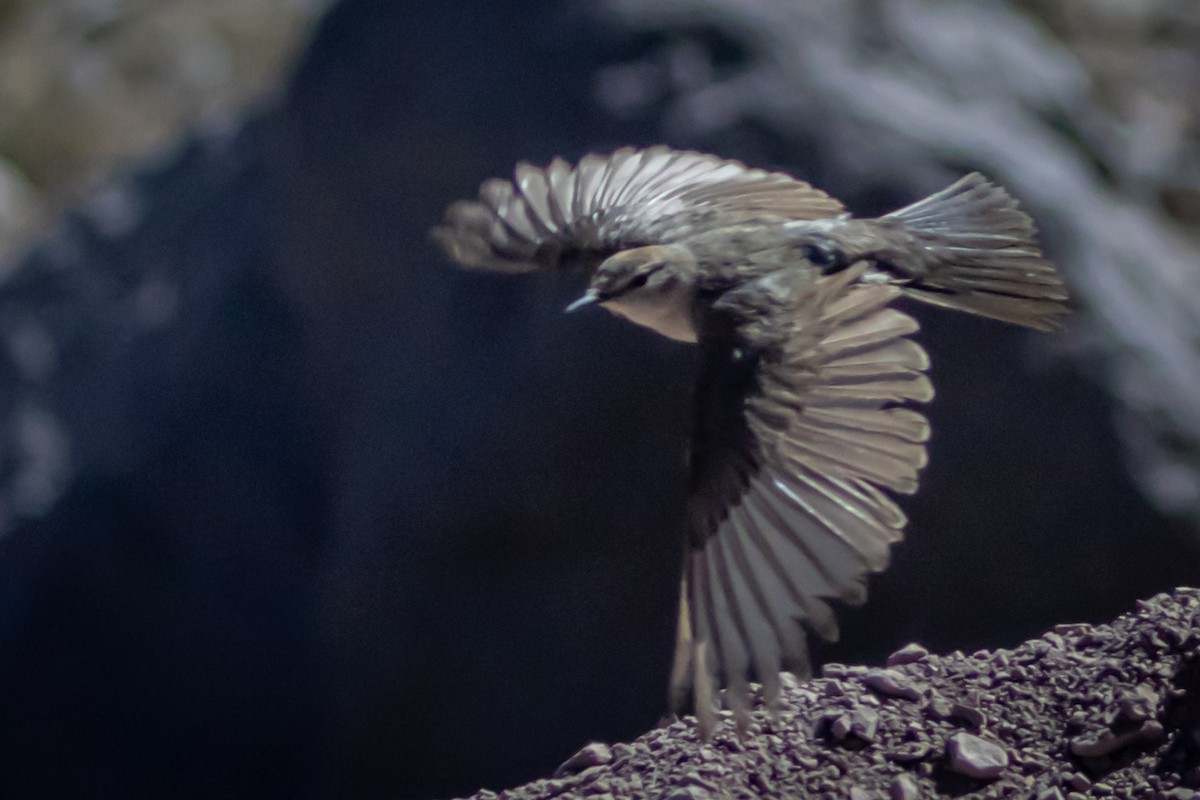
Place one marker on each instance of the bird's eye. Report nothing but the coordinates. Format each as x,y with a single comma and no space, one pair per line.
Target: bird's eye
824,256
639,281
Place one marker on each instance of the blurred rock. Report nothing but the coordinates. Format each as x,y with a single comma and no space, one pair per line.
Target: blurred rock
89,87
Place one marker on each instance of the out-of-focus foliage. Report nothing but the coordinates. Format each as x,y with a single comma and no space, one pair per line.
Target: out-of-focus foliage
1086,109
89,85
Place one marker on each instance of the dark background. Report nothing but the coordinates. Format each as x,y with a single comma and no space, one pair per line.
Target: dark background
351,523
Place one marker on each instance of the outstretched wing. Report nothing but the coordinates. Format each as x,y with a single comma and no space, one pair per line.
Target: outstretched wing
798,428
560,215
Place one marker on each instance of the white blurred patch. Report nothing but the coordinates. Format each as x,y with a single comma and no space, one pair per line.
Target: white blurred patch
115,210
43,461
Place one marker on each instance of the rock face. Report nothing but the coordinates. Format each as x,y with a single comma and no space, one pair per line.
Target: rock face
1083,711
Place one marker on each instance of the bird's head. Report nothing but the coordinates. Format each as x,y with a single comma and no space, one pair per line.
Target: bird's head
655,270
652,286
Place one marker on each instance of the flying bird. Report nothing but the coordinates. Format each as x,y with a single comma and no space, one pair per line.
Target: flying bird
803,419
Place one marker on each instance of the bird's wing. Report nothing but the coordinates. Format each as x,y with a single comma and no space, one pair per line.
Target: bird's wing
799,427
562,214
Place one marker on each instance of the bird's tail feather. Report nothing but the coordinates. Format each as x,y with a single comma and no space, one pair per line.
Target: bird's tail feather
980,256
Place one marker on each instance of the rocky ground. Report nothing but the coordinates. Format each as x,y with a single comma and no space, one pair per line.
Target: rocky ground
1084,711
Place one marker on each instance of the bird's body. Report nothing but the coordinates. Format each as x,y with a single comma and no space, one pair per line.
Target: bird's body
801,415
712,262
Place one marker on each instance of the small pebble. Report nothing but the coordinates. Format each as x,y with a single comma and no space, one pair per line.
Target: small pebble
892,683
1079,782
688,793
864,723
969,714
834,670
1093,746
1138,705
975,757
940,708
904,787
909,654
840,728
908,752
590,755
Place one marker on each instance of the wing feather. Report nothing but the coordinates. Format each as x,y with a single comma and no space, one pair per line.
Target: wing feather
777,529
750,581
784,566
704,669
800,427
561,193
603,204
535,191
589,179
733,658
809,567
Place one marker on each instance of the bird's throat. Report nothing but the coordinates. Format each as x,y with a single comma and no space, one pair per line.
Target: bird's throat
668,313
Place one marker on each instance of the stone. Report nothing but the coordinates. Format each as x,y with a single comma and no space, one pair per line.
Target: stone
976,757
1138,705
892,683
590,755
904,787
1107,742
909,654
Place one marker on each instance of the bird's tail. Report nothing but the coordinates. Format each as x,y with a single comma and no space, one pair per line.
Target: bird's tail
978,254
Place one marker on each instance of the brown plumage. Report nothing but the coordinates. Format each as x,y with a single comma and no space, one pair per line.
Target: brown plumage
800,419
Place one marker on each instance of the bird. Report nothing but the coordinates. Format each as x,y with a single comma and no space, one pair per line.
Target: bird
806,419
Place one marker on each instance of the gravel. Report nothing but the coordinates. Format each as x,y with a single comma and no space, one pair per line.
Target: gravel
1084,711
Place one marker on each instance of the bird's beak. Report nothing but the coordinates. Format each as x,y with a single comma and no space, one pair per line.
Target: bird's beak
588,298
